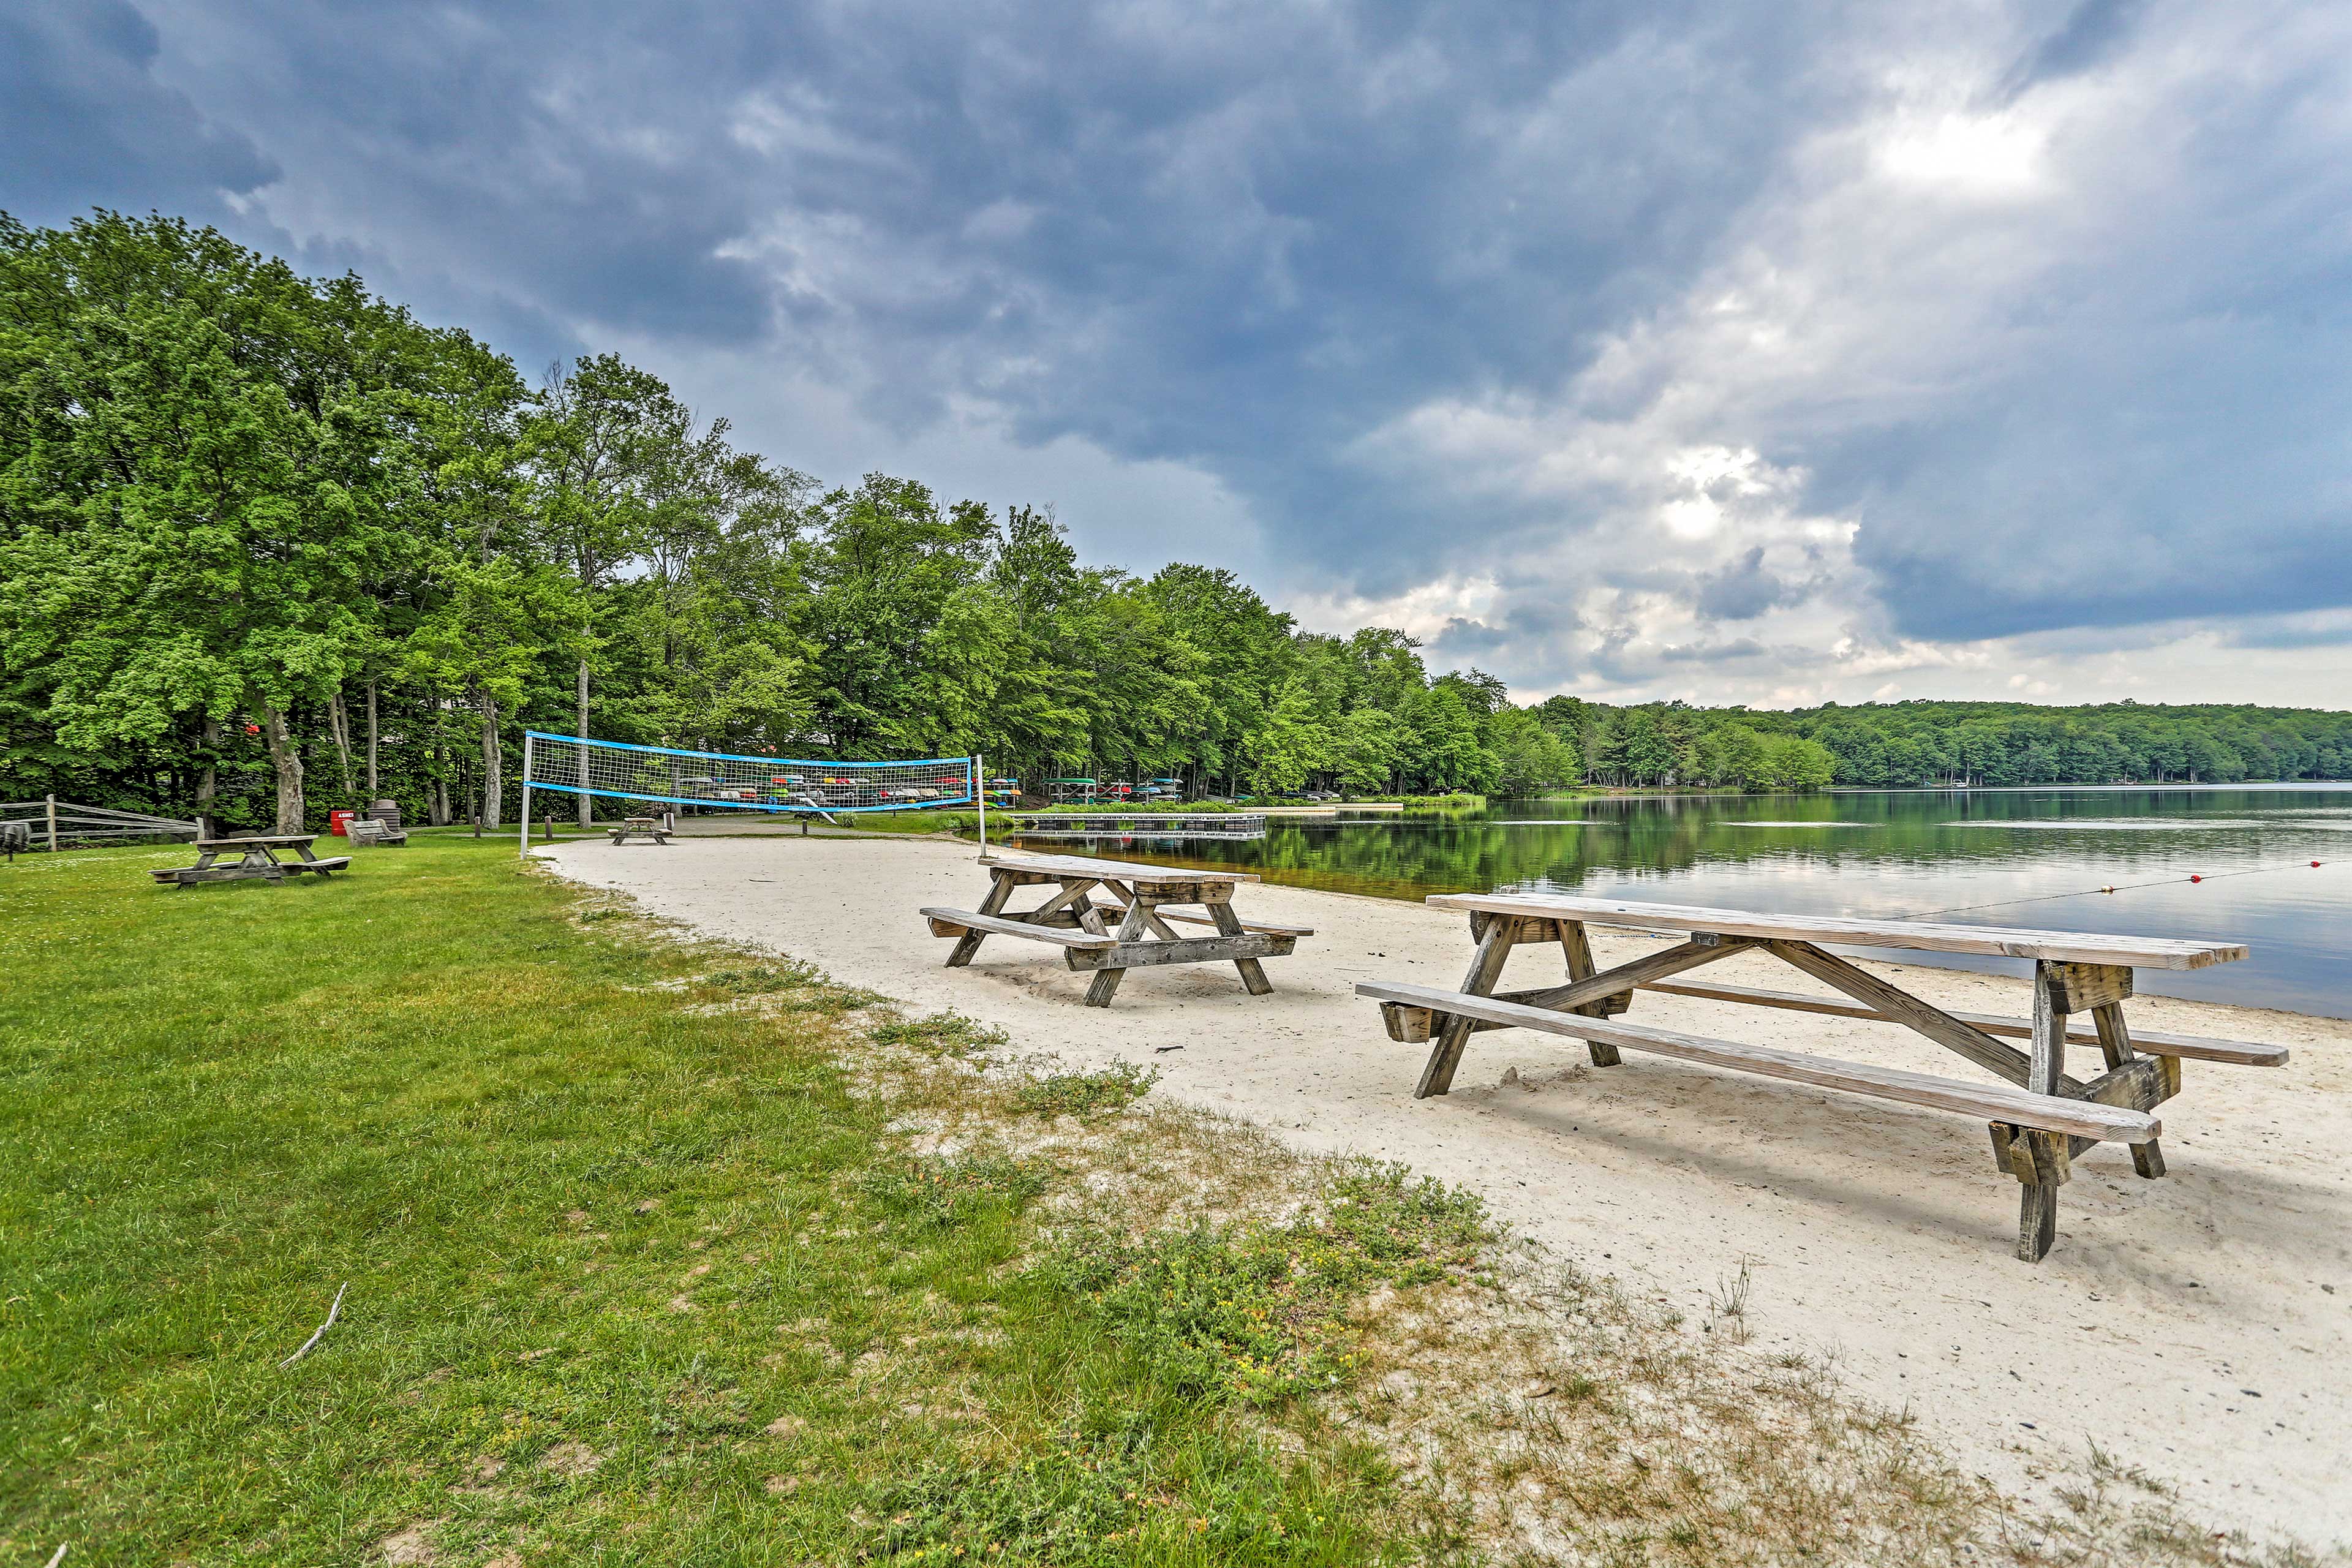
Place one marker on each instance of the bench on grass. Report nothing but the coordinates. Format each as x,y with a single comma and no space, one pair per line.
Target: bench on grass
383,824
2039,1119
1139,899
257,860
642,826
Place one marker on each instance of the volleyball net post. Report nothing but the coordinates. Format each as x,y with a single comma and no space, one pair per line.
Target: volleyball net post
522,843
728,782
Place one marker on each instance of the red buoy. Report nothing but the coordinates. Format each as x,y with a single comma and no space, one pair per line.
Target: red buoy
2196,878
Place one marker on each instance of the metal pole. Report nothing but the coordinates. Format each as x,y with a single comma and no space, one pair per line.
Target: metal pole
53,825
522,834
980,782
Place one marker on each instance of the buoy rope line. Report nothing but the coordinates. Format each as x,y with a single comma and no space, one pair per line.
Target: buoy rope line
2116,888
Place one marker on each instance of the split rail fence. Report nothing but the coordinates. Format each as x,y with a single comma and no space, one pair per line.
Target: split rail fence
52,823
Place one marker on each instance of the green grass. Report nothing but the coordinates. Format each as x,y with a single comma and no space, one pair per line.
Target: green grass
642,1266
1444,802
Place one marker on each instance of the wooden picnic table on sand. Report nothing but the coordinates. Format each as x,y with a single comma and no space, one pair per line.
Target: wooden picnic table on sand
642,827
2040,1118
257,860
1071,920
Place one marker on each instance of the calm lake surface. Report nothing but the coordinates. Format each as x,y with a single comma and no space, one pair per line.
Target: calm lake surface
2016,857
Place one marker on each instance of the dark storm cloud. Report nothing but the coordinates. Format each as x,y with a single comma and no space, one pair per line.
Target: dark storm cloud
1744,589
1710,653
1237,236
1249,239
2092,32
85,124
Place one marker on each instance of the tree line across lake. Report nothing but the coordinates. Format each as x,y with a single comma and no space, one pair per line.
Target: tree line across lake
269,544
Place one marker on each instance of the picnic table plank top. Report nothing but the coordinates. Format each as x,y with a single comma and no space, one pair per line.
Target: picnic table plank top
1125,870
258,839
1927,936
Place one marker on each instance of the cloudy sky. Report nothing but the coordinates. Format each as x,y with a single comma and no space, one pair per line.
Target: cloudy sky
1759,353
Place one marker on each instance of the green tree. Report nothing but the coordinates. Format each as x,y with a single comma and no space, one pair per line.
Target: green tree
201,460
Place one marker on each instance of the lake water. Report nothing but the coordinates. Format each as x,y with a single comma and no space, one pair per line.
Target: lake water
2017,858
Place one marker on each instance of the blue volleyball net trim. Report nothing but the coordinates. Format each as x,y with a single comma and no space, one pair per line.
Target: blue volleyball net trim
719,781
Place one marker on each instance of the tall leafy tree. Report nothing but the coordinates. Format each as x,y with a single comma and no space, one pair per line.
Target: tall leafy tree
199,460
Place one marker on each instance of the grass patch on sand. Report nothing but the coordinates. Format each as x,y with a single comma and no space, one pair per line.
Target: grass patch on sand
654,1251
1087,1094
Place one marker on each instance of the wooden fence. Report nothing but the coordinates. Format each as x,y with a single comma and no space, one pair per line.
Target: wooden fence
56,823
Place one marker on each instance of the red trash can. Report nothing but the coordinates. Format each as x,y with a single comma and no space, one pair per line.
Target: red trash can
335,820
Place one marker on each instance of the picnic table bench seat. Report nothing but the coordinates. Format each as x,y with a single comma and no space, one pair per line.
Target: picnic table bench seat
1139,899
2038,1118
957,923
322,865
1991,1102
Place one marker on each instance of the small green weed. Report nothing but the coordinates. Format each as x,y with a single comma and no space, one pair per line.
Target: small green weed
761,979
1085,1094
1120,1496
941,1035
936,1192
1252,1313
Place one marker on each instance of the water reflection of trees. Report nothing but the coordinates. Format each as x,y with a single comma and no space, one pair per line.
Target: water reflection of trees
1410,857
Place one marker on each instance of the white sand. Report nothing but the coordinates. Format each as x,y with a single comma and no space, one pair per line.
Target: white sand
2179,1323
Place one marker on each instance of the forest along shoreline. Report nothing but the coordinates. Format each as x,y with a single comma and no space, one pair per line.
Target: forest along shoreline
411,554
1872,1235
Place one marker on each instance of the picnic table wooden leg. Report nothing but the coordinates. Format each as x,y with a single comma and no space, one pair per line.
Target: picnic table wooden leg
969,943
1252,973
2115,1044
1579,949
2037,1207
1104,984
1486,969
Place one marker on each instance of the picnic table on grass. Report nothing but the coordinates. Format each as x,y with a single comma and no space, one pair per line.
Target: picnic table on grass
1140,897
256,859
2041,1117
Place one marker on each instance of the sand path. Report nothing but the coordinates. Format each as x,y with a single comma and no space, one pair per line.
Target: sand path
2200,1326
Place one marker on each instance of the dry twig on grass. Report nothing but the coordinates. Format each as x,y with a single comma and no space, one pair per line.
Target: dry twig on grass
320,1332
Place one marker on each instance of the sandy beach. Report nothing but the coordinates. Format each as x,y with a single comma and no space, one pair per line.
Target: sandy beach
2199,1326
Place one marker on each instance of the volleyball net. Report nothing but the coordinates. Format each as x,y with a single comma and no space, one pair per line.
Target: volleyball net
719,781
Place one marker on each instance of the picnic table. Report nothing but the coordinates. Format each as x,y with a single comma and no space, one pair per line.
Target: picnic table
256,859
642,827
2040,1118
1140,895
